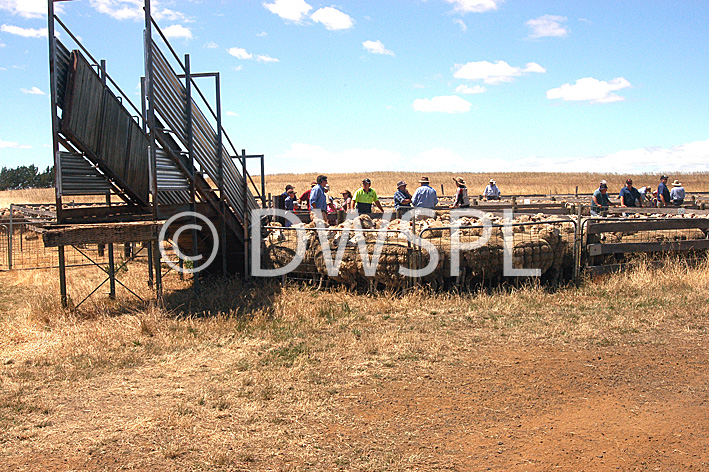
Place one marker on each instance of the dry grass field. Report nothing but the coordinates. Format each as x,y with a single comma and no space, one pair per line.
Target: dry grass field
40,195
510,183
609,374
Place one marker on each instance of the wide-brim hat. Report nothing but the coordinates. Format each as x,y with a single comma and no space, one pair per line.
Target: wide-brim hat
459,180
676,183
423,180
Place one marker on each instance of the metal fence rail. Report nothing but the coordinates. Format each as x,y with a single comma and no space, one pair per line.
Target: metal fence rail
23,249
608,243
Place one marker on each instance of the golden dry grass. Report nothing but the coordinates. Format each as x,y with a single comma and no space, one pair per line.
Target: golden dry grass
510,183
258,377
40,195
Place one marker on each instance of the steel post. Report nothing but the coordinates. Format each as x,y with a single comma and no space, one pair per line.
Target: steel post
190,153
149,98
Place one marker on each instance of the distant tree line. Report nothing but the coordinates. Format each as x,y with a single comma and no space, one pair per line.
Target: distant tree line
26,177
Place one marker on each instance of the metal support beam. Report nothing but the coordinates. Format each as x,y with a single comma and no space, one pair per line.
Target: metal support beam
149,98
190,154
55,143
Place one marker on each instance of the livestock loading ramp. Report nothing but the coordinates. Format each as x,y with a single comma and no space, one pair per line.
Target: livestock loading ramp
166,158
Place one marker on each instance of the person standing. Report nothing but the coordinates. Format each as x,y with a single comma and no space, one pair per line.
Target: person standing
425,196
288,187
663,193
346,200
318,199
677,193
461,194
364,197
306,195
402,197
491,192
600,200
289,203
629,195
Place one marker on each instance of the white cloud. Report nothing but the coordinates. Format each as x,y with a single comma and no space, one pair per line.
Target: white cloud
232,113
211,45
177,31
33,91
238,68
443,104
470,90
28,8
266,58
689,157
292,10
13,145
476,6
461,23
333,19
24,32
376,47
547,26
262,34
494,73
591,90
170,15
239,53
120,9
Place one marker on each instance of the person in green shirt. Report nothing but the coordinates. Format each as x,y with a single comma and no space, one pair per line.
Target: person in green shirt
364,197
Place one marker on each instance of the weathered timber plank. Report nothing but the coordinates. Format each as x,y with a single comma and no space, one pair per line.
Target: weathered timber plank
628,248
648,225
101,234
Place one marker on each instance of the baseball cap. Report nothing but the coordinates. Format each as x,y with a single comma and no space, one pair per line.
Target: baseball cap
629,181
366,181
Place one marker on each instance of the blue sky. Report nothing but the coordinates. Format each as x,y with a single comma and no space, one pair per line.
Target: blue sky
429,85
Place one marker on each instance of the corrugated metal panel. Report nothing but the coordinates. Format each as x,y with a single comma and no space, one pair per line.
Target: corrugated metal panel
169,99
99,125
80,177
62,69
170,177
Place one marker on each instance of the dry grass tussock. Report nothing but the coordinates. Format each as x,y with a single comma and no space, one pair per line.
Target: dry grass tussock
510,183
251,374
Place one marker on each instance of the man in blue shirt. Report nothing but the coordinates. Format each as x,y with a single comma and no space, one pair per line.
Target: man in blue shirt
629,195
318,199
424,196
663,193
677,193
